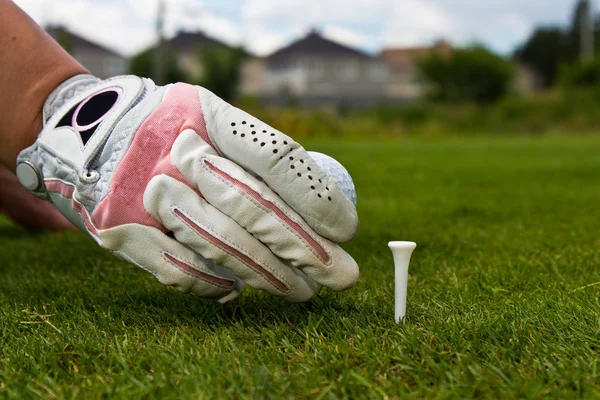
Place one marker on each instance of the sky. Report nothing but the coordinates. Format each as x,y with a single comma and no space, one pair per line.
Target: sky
262,26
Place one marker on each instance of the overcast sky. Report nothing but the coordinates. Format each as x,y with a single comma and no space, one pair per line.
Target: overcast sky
127,26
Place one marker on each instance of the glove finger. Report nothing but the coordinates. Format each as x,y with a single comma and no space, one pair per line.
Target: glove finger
215,236
255,207
283,165
172,263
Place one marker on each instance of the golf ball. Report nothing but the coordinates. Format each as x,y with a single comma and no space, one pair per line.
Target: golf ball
337,171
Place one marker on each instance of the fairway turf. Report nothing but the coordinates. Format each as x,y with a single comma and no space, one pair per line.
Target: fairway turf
503,297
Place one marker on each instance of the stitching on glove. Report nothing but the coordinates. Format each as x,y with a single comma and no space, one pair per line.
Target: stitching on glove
195,271
326,260
272,277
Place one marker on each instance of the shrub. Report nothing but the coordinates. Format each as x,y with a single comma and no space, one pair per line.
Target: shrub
469,74
581,74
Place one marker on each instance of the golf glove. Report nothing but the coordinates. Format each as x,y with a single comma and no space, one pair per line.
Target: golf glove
202,195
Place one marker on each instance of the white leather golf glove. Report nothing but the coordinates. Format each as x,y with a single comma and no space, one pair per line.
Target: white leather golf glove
197,192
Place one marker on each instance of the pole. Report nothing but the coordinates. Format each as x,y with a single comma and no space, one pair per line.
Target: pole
158,65
587,32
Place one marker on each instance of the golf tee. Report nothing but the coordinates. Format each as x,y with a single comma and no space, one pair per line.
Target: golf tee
401,252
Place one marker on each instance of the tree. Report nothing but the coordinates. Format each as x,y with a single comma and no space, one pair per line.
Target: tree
581,21
544,51
469,74
141,65
221,70
548,48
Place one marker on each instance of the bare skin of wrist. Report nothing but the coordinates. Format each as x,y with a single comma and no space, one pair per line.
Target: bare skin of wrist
32,66
26,209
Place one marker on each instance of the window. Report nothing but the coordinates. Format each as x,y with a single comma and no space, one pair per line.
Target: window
302,64
316,69
349,70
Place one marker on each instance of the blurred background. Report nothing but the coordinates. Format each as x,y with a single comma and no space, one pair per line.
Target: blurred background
468,126
355,67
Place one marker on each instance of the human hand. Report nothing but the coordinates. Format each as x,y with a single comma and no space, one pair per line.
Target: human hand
199,193
24,208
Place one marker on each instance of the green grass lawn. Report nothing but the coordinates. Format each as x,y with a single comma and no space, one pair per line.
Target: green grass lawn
503,294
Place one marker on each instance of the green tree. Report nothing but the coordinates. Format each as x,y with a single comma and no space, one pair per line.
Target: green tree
141,65
221,70
544,51
573,43
548,48
469,74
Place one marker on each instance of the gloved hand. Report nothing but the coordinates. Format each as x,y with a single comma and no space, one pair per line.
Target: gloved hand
199,193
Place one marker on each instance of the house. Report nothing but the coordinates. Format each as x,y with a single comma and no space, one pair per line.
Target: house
402,64
99,60
317,71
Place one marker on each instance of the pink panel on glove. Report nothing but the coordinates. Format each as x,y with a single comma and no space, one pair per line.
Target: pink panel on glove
66,190
56,186
149,156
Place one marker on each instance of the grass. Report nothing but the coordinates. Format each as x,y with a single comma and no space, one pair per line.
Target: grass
503,294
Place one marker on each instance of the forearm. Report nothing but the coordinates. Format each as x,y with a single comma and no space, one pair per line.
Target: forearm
32,65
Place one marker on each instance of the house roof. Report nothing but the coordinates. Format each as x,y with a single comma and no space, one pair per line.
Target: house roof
406,57
77,42
189,41
314,43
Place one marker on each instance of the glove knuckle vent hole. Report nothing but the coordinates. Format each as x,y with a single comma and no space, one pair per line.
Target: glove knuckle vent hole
243,135
262,144
233,124
275,151
235,132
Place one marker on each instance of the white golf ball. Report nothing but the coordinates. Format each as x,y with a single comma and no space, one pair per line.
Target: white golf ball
337,171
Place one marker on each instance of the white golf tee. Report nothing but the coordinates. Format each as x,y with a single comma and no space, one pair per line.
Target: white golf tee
401,252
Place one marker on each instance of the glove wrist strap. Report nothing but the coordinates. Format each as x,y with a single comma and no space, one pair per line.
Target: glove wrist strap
65,92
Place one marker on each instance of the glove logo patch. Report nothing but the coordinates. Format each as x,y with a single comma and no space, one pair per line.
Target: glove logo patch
87,115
